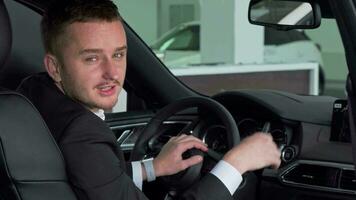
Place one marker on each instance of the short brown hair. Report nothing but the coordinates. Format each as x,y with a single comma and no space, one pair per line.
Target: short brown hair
62,13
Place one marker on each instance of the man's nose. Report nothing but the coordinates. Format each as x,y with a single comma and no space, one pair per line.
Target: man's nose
110,70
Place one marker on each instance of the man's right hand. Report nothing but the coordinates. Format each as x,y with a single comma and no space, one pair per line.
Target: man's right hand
254,152
170,161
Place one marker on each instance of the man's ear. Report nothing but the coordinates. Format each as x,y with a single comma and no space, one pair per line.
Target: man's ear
52,66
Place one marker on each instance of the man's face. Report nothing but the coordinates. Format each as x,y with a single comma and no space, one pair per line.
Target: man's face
93,63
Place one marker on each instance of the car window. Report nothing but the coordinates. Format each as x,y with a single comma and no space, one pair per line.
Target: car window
186,38
180,41
215,53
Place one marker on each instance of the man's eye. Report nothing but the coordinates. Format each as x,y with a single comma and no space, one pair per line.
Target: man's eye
118,55
91,59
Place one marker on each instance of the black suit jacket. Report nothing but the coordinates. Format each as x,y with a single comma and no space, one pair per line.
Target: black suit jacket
95,164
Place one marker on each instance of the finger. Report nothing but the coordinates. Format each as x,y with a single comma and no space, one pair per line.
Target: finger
192,161
191,138
179,137
185,137
183,147
275,150
278,153
172,139
276,160
193,144
276,164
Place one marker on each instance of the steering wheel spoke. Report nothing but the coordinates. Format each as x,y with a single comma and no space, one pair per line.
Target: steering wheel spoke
214,155
189,128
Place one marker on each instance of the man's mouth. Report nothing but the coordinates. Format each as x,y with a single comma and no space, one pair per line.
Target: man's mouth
107,90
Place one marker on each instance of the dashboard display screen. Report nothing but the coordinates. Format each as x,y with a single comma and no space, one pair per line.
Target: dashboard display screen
340,130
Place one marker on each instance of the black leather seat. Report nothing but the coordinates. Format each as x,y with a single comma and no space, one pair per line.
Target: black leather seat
26,55
31,164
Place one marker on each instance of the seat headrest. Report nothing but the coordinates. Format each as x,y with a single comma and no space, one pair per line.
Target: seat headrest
5,34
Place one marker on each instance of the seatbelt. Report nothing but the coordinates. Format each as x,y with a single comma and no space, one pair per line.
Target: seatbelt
351,101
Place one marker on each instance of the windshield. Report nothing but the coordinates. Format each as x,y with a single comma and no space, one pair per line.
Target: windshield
216,52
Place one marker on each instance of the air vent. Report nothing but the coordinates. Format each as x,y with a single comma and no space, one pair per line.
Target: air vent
313,175
348,180
324,176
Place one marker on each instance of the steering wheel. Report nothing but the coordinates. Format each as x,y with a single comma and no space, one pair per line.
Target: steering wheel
204,105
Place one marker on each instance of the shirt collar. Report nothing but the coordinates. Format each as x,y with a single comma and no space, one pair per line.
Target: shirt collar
100,114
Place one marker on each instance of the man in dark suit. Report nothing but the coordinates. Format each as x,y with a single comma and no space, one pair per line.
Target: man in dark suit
85,60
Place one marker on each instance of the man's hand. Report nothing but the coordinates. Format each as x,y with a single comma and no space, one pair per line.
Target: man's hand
254,152
169,161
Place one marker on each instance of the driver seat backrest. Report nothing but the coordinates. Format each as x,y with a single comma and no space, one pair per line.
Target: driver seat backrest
31,164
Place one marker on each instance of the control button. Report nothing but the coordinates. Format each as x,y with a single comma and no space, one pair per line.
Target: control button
288,153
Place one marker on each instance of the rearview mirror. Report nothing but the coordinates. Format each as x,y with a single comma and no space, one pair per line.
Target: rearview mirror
284,15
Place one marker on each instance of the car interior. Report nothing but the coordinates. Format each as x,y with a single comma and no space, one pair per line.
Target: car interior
311,131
